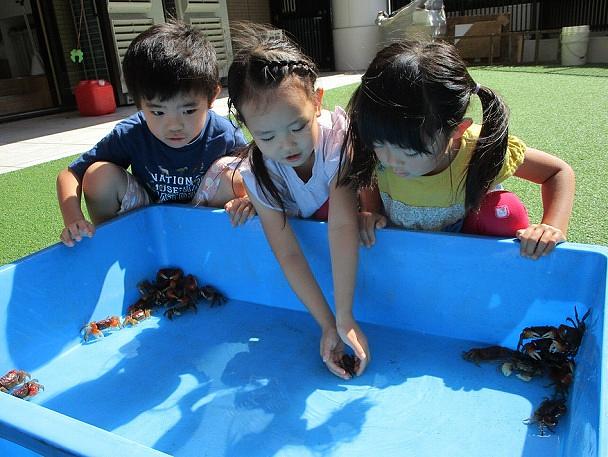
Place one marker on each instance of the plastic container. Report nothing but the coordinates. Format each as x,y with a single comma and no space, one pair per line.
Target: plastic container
575,42
420,19
246,380
95,97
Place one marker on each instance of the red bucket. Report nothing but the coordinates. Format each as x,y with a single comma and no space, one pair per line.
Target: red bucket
95,97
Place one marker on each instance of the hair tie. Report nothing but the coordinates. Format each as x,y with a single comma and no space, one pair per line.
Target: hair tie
476,88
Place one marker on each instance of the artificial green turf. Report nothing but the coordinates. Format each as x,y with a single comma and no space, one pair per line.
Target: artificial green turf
560,110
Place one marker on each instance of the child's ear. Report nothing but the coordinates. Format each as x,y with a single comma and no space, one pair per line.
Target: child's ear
319,100
218,89
461,128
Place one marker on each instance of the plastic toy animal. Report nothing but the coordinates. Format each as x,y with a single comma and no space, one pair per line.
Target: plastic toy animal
136,316
91,329
572,336
95,328
178,309
349,364
489,354
525,368
547,414
212,295
562,376
28,390
13,378
544,331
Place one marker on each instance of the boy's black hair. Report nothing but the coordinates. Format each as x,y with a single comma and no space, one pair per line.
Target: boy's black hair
414,94
264,58
169,59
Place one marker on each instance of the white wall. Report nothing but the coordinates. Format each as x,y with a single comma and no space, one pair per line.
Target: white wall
355,34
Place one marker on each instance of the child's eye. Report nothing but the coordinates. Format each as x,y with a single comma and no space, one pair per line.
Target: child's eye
300,128
412,153
267,139
191,111
157,113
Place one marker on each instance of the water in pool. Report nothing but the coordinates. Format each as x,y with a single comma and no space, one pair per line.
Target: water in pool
247,380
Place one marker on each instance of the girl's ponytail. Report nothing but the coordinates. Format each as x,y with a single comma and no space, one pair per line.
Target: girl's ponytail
259,170
488,156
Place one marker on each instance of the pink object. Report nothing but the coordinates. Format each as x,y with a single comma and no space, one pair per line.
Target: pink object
322,213
501,213
95,97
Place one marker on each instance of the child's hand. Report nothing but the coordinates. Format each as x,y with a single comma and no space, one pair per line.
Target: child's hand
75,231
332,350
368,223
351,334
539,240
240,210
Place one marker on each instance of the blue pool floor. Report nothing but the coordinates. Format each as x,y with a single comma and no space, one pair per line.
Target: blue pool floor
247,380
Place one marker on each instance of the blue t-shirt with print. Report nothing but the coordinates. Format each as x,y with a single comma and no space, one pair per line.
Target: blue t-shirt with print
168,174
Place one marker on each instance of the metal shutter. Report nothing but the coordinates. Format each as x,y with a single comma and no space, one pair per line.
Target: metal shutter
128,19
211,18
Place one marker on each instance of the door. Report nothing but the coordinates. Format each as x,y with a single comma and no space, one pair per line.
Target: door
308,23
26,79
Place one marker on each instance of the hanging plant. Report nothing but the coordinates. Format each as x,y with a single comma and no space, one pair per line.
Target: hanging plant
76,54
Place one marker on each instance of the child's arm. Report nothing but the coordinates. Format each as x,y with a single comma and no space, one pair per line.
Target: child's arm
287,250
370,215
556,178
344,247
68,195
232,196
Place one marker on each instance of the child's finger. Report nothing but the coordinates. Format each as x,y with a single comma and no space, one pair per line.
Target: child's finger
357,348
381,223
66,238
85,229
547,242
362,366
336,369
74,232
363,238
242,214
371,234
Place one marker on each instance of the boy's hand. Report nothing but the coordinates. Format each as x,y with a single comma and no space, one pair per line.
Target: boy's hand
368,223
240,210
332,350
351,334
75,231
539,240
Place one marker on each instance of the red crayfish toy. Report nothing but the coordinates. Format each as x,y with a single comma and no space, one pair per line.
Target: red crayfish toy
135,316
95,328
541,350
176,292
13,378
28,390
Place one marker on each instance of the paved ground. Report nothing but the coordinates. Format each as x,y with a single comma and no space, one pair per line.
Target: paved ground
32,141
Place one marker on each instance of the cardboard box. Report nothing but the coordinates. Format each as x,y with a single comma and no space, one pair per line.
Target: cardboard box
479,37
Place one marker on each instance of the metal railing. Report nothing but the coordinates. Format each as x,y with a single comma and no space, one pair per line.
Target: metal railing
532,15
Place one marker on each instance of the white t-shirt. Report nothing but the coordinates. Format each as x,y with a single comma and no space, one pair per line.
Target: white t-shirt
301,198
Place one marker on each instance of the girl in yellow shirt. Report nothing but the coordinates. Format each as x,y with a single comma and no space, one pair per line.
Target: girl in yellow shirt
425,166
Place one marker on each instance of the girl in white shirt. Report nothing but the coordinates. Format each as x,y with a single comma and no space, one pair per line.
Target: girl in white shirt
291,169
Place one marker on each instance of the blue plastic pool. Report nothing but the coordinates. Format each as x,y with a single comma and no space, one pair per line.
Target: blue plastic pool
246,379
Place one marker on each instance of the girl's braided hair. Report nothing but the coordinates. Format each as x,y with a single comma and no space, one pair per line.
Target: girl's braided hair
264,58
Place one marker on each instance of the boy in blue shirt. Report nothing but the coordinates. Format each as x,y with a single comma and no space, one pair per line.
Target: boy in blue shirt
175,145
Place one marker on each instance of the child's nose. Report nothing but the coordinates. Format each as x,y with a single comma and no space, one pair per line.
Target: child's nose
289,141
175,124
